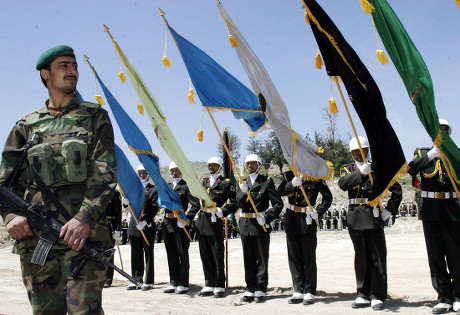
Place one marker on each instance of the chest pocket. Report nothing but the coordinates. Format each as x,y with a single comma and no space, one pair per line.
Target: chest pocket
41,159
75,153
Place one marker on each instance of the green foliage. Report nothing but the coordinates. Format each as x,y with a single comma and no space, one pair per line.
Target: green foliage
235,145
269,150
335,150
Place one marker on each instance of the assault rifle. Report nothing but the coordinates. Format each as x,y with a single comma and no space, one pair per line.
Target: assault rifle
39,219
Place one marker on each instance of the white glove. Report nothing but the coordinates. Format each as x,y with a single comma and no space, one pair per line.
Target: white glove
433,153
308,219
296,181
141,225
180,224
213,216
261,220
385,214
364,168
244,187
314,215
376,212
116,235
125,201
220,213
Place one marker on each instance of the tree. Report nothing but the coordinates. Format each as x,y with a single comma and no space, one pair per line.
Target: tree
335,148
274,153
235,145
254,145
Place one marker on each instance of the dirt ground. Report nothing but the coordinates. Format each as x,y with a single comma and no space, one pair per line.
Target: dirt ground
410,290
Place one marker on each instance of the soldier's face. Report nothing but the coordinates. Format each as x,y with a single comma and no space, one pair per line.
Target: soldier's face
252,166
175,172
357,155
62,75
213,168
142,174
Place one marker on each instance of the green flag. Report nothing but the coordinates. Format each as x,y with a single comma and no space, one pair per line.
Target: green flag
162,131
417,80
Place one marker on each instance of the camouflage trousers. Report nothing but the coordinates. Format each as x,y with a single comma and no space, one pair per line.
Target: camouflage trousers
51,289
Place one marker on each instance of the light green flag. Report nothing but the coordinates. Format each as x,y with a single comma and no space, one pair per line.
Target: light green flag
417,80
162,131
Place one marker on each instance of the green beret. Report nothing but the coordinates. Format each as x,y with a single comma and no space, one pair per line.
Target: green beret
52,54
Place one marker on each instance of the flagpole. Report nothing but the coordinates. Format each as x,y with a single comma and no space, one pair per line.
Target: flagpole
240,178
134,216
352,125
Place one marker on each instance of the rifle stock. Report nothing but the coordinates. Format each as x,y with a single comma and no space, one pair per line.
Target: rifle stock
39,219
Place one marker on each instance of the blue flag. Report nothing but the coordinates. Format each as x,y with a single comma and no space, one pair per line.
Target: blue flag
217,88
138,143
129,182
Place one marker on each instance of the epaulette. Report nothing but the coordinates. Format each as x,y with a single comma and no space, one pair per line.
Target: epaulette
419,152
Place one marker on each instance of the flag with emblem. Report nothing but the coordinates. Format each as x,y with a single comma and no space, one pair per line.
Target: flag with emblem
216,87
388,160
297,150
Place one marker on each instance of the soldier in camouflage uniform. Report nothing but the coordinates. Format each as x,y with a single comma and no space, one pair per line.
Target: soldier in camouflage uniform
73,154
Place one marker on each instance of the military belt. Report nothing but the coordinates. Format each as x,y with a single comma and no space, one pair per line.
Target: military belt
297,208
357,201
438,194
209,210
169,215
250,215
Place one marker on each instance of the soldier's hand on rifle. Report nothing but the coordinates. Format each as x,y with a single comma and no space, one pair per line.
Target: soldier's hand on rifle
18,228
75,233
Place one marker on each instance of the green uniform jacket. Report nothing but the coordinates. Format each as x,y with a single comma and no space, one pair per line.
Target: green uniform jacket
84,201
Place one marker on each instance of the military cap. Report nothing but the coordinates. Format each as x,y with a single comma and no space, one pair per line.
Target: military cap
53,53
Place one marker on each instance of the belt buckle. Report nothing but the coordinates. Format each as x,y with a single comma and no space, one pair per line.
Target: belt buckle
439,195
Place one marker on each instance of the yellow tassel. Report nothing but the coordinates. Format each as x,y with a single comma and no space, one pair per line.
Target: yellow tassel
122,77
199,133
140,109
232,41
318,61
191,96
366,6
99,100
320,149
457,2
381,56
333,106
307,20
166,62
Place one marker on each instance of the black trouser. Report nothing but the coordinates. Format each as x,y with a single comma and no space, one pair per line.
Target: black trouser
139,251
370,263
443,247
302,261
212,256
255,255
177,245
109,271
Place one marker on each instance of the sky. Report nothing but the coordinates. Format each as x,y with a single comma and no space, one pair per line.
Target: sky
277,33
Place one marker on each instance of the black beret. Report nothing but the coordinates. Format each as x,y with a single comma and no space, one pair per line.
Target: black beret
53,53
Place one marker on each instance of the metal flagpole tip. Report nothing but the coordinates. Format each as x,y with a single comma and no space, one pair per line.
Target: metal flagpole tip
85,57
161,12
106,28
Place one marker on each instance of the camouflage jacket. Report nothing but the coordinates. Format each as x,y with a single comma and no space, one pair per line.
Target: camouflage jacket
84,199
